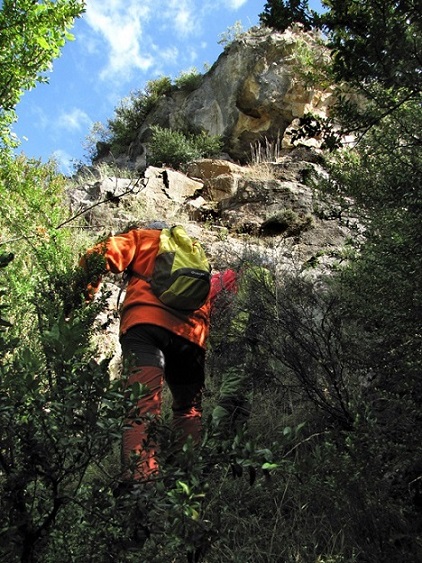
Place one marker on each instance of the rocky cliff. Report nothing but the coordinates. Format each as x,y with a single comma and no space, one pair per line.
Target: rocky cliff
254,91
265,210
266,207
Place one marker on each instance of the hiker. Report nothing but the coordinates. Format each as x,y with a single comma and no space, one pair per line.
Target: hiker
159,343
239,319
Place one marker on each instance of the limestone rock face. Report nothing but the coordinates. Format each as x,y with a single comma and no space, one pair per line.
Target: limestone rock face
220,177
266,209
270,203
252,92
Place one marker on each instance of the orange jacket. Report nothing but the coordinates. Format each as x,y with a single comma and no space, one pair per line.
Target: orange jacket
137,249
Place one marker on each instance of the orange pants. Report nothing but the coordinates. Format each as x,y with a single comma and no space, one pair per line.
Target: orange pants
156,355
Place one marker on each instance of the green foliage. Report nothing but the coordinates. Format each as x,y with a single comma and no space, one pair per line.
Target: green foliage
326,356
188,80
389,161
60,418
312,62
312,344
335,375
375,59
174,148
32,34
377,298
389,268
375,41
131,113
33,196
53,394
37,32
5,343
241,340
280,15
389,199
128,117
159,87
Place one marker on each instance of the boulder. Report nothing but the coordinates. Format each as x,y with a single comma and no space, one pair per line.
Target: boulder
252,91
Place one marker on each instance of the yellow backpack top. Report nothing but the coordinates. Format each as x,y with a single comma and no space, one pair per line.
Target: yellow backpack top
181,277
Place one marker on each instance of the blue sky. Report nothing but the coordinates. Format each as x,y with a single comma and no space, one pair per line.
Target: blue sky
119,46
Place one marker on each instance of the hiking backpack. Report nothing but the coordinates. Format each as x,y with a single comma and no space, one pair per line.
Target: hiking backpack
181,276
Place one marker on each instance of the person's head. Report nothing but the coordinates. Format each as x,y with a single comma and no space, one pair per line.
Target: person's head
157,225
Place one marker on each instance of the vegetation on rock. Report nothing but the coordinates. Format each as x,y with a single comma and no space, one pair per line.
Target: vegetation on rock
32,34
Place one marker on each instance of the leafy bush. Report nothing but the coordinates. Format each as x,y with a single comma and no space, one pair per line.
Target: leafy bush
326,483
188,80
174,148
37,31
280,14
52,393
129,116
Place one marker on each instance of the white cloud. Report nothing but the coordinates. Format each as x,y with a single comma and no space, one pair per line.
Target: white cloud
121,27
41,119
236,4
145,36
65,162
213,5
182,14
74,120
183,21
169,55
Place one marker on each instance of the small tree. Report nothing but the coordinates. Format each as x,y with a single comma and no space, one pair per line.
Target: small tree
32,34
188,80
280,14
132,111
375,42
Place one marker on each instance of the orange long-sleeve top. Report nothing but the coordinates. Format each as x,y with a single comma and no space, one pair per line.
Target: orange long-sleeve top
136,250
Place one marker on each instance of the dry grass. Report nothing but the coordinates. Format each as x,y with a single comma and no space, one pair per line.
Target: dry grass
263,171
266,150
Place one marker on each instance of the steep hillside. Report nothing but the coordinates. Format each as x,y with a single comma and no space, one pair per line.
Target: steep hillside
311,450
256,197
265,209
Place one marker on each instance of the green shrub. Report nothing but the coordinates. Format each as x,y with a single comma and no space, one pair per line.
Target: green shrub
131,113
128,117
206,145
174,148
188,80
54,397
